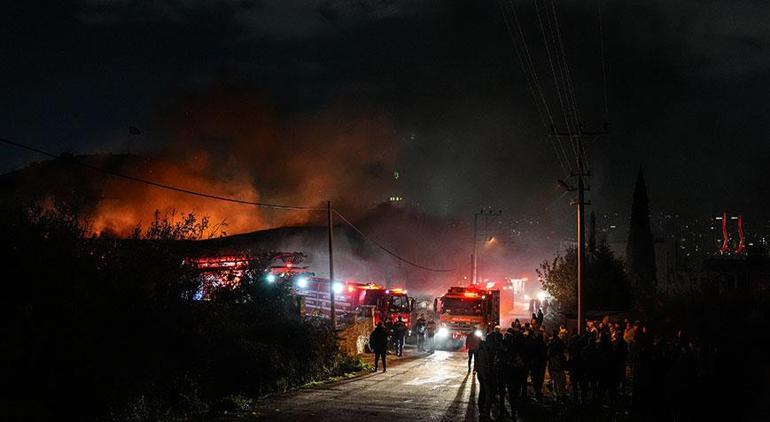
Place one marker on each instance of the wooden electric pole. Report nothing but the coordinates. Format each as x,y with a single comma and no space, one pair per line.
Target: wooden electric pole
332,310
580,205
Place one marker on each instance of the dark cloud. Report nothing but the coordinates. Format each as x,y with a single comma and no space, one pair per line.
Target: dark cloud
686,83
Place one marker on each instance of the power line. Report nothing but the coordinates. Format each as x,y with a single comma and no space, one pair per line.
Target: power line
158,184
218,198
568,79
511,20
604,63
388,251
556,81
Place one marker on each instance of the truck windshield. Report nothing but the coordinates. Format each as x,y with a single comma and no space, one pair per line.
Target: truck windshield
453,306
399,303
372,297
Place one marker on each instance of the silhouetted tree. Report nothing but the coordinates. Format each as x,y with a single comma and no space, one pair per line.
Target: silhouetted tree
559,278
640,250
607,285
592,237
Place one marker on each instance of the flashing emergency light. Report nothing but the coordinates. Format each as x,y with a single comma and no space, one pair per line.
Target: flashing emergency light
302,282
470,294
478,333
337,287
350,289
270,278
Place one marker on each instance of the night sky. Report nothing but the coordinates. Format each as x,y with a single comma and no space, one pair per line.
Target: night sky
687,90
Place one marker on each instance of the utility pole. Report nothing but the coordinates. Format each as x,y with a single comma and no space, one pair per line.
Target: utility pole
332,311
580,205
475,256
581,249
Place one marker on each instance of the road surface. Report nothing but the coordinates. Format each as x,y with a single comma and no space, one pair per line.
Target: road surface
436,387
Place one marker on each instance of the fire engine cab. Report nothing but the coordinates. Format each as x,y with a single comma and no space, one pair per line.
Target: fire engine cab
350,297
464,311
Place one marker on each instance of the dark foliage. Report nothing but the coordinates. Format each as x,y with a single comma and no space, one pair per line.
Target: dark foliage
606,281
102,329
640,250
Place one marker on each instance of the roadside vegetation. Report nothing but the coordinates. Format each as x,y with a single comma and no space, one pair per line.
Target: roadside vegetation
105,329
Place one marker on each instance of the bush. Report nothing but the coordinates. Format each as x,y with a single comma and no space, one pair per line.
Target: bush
100,328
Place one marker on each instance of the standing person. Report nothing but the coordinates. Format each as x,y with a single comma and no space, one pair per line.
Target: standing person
515,368
577,368
430,331
399,334
540,317
538,362
484,374
420,327
606,370
472,344
557,362
494,346
620,361
378,341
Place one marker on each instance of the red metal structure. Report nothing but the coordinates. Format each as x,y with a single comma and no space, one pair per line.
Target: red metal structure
742,239
725,248
725,236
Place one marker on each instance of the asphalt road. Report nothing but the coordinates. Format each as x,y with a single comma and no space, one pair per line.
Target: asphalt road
436,387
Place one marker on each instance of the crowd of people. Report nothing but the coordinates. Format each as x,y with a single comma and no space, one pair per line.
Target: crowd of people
391,338
604,364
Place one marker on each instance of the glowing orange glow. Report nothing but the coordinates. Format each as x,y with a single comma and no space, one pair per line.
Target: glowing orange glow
231,143
471,294
219,262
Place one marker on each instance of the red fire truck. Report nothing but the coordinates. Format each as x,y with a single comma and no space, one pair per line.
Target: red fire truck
350,297
464,311
226,271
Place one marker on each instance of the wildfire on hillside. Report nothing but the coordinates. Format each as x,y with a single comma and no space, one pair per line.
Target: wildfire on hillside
230,144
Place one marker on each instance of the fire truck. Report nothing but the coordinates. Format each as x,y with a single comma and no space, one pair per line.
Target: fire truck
226,271
464,311
351,297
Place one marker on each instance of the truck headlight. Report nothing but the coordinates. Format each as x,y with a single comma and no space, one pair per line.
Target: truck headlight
442,332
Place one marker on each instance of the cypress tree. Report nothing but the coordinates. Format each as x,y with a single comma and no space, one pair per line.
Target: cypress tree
592,237
640,250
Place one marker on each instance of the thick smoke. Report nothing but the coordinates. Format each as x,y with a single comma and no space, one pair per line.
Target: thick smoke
230,142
